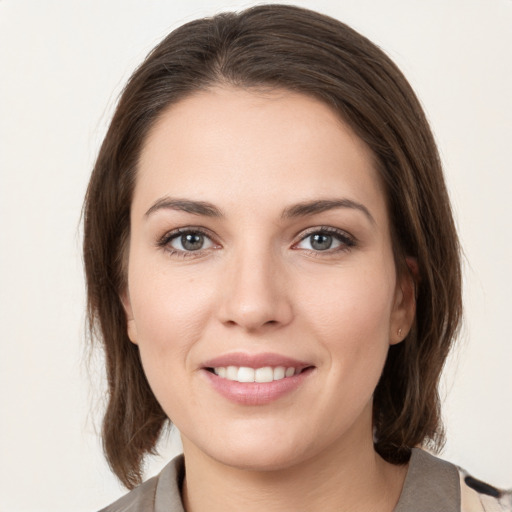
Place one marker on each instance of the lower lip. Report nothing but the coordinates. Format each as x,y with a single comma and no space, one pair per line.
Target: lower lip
256,393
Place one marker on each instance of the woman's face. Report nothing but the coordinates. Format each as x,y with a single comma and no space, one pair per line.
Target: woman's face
260,250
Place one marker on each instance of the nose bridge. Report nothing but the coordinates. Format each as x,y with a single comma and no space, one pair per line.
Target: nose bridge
254,290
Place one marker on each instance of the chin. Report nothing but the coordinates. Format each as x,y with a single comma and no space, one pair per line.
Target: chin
258,460
259,453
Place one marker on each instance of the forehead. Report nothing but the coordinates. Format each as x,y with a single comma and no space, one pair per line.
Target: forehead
228,144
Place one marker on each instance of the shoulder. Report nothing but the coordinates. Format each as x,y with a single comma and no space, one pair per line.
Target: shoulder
435,484
140,498
430,484
158,494
478,496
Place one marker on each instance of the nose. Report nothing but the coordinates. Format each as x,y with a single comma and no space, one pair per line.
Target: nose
255,294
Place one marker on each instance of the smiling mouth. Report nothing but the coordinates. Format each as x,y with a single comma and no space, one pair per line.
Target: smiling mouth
264,374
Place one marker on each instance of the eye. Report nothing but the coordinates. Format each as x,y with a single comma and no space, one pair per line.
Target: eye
192,241
325,239
186,241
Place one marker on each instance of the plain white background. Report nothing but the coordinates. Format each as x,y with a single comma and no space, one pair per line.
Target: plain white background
62,65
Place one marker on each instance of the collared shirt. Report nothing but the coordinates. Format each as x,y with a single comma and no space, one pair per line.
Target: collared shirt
431,485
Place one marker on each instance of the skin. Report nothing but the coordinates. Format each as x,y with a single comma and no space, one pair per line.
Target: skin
260,285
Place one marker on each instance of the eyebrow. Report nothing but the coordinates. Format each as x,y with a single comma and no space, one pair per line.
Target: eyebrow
308,208
186,205
304,209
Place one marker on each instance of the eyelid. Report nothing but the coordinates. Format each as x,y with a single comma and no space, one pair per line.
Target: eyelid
347,240
173,233
165,240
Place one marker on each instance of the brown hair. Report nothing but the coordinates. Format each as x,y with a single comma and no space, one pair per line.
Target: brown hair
281,46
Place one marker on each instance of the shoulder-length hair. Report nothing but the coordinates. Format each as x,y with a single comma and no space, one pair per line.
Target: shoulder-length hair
285,47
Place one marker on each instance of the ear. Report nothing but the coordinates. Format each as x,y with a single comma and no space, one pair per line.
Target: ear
404,306
131,327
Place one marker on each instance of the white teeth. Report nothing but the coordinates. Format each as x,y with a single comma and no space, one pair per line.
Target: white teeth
279,372
290,372
246,374
264,374
232,373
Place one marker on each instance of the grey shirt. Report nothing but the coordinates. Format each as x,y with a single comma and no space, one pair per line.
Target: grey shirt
431,485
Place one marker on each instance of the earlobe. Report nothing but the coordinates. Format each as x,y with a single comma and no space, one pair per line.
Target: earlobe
404,309
131,327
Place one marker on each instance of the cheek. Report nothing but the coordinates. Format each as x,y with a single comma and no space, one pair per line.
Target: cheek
350,313
349,300
170,310
170,313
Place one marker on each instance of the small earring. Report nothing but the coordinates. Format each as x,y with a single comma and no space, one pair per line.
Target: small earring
400,332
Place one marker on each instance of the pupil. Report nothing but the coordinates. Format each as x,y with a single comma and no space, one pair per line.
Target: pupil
192,241
321,242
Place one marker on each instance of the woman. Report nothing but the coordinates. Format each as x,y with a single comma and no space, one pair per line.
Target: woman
272,264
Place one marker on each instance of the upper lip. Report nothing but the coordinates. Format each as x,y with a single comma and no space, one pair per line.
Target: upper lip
254,361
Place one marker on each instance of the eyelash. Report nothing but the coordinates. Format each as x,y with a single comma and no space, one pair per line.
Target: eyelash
346,241
166,240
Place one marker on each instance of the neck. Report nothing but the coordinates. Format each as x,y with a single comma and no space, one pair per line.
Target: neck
351,477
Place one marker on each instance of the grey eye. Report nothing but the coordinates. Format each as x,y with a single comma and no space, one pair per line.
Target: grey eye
321,241
191,241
